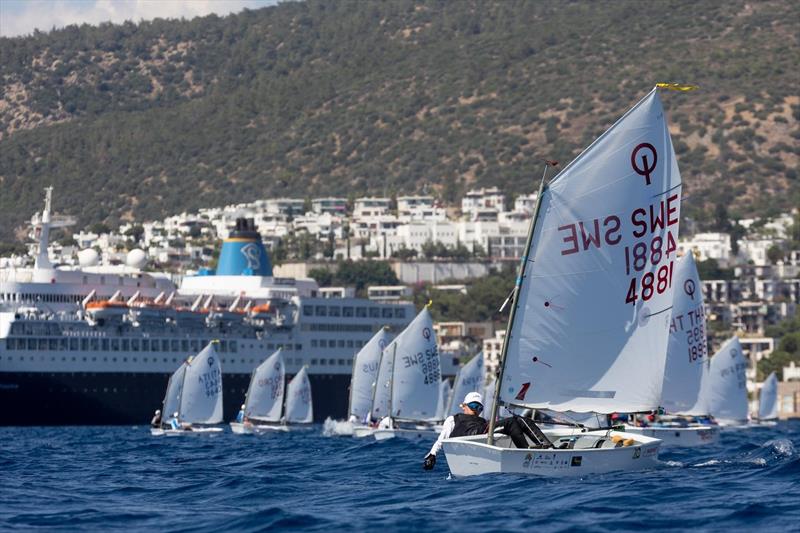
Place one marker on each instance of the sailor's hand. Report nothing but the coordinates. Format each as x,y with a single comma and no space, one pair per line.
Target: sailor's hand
430,461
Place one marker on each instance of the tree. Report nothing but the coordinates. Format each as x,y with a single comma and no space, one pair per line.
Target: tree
775,254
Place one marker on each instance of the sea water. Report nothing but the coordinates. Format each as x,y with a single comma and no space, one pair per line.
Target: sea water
121,478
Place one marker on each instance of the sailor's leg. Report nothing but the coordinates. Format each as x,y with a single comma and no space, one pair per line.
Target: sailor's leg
510,427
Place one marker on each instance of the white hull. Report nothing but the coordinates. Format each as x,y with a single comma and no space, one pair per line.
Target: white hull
406,433
687,437
472,456
360,432
763,423
156,432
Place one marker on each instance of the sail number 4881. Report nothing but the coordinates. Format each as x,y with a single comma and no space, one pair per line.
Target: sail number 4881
650,285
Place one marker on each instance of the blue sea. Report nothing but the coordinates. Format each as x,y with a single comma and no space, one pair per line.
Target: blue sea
121,478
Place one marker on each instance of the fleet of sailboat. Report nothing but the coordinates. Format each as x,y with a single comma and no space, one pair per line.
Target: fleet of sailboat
606,318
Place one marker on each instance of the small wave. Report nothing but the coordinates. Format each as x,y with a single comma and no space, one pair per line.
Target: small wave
782,447
337,428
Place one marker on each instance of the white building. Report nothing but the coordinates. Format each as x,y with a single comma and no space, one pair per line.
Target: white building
492,348
368,207
483,198
406,204
708,246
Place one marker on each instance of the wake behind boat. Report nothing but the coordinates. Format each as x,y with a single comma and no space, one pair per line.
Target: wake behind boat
591,306
194,396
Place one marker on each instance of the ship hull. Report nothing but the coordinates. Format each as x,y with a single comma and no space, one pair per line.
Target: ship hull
105,398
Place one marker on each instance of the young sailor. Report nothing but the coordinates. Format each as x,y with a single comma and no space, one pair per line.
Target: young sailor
240,415
469,422
156,421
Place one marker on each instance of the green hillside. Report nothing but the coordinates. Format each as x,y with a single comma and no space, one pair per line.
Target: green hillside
352,97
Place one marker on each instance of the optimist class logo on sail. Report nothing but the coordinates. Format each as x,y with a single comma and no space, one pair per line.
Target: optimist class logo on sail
651,244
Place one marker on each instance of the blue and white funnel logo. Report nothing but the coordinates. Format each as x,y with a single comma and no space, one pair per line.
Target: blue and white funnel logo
252,255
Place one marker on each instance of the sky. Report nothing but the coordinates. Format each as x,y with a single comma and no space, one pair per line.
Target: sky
21,17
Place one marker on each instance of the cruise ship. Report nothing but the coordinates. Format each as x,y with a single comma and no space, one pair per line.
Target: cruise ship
96,344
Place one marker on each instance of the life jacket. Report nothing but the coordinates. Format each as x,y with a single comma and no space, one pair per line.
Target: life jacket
468,425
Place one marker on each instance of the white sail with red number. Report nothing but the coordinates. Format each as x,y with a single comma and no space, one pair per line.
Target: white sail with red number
687,352
593,309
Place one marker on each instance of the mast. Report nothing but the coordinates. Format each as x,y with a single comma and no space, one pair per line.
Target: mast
374,386
42,261
391,384
517,286
352,375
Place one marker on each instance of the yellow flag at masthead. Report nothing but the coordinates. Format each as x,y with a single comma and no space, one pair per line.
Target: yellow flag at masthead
677,87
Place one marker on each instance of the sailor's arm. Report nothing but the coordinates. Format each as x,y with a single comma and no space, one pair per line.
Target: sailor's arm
447,428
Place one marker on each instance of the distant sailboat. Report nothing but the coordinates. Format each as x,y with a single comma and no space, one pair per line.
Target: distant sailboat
299,406
589,322
414,386
768,401
686,369
193,402
726,393
445,393
264,401
469,379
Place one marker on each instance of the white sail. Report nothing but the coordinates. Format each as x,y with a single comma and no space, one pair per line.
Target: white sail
687,350
172,399
444,399
265,393
417,371
201,400
469,379
488,398
382,387
299,409
727,383
593,308
768,399
365,371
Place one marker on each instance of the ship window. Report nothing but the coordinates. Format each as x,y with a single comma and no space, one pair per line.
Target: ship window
321,310
164,345
399,313
184,345
145,345
42,344
195,345
332,361
341,343
335,310
342,362
374,312
349,343
135,345
313,343
347,311
63,344
154,345
323,343
95,343
223,346
114,345
104,344
298,346
73,344
359,344
126,345
387,312
308,310
313,361
175,345
270,346
323,361
332,343
124,359
234,347
361,312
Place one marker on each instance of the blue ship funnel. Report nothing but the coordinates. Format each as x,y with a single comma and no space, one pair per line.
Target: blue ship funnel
243,253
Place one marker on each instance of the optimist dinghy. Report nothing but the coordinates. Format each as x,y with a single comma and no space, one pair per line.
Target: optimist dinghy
264,399
687,369
415,385
194,394
591,306
768,402
726,392
381,394
468,379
